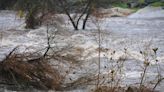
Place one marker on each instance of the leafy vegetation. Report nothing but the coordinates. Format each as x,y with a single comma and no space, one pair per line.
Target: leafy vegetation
157,4
119,4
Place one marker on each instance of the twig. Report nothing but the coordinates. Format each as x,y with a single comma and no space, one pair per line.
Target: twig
16,82
48,42
142,78
11,52
158,82
99,53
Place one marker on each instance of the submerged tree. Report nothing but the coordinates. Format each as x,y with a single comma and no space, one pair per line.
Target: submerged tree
35,10
81,8
30,7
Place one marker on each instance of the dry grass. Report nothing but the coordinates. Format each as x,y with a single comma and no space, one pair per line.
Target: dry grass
22,71
123,89
109,89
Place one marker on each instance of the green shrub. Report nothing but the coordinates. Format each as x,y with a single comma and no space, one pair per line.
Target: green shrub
157,4
141,1
122,5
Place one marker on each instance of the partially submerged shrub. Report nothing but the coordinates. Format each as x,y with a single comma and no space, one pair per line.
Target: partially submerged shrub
19,70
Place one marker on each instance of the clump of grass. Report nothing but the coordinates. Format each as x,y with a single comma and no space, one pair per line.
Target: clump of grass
120,4
138,89
24,72
122,89
158,4
141,1
109,89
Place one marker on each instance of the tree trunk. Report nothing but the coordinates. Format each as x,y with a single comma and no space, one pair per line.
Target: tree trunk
85,20
86,10
30,21
87,14
68,14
